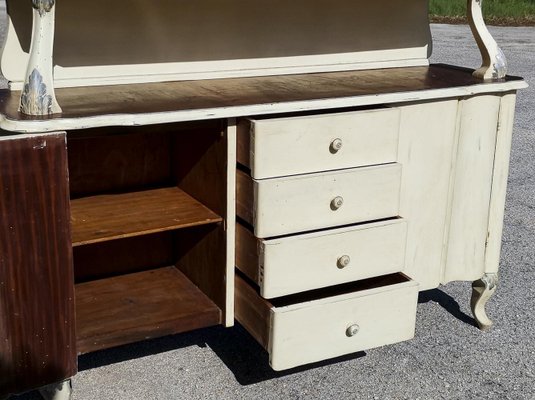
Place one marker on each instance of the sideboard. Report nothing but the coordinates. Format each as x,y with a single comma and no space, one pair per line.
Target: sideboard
299,167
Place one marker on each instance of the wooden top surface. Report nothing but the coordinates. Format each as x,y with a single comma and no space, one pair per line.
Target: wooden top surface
222,98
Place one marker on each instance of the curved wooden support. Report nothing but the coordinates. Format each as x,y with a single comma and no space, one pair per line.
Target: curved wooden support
57,391
494,64
482,290
38,97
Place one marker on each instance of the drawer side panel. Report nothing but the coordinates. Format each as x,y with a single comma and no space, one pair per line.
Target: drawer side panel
252,312
247,253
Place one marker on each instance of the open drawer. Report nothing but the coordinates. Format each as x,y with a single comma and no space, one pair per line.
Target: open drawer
300,203
272,147
297,263
321,324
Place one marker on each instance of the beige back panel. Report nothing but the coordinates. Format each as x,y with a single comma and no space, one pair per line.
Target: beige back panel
151,40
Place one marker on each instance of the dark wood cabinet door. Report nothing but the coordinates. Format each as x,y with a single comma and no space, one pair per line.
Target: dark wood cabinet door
37,333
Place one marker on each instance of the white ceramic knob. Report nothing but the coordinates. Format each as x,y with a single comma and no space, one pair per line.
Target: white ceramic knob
337,202
343,261
336,145
352,330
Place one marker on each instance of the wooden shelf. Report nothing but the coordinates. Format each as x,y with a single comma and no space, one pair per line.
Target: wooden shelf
107,217
152,103
144,305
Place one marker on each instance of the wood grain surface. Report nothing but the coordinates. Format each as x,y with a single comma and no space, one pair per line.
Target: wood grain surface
200,168
119,159
106,217
248,252
37,340
235,92
128,255
252,311
128,308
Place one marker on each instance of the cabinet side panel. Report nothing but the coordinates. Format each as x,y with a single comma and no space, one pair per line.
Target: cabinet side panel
472,188
425,150
205,163
499,182
37,340
230,222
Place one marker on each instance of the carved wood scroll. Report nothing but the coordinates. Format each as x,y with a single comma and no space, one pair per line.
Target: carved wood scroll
494,64
38,97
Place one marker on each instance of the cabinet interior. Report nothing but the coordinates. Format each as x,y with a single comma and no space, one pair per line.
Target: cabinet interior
147,211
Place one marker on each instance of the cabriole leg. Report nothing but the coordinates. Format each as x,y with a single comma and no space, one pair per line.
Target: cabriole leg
482,290
57,391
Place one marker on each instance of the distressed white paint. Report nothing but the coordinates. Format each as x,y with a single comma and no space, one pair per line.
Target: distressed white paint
230,222
482,291
39,66
226,39
14,59
474,162
308,332
101,75
309,261
303,202
28,126
425,152
57,391
499,183
452,187
296,145
129,74
494,64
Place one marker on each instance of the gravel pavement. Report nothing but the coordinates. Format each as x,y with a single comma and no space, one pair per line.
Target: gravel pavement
448,359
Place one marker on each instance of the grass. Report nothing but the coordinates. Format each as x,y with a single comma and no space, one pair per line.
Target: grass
501,12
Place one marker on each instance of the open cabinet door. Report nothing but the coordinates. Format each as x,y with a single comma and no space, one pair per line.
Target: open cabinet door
37,336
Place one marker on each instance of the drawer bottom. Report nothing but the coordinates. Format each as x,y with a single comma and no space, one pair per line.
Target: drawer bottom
326,323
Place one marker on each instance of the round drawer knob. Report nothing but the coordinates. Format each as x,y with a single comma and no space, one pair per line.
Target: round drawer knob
352,330
336,145
337,202
343,261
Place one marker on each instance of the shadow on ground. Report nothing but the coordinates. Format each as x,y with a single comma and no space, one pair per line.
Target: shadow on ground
235,347
447,302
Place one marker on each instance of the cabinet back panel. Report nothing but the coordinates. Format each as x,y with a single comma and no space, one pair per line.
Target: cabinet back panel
152,40
116,257
123,159
196,251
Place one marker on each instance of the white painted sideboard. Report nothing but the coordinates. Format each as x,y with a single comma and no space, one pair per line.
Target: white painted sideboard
300,166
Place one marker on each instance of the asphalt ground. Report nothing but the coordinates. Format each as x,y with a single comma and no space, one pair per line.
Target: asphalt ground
449,358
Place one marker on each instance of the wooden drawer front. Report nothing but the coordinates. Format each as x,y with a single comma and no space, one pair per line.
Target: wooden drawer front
295,145
309,261
300,203
357,317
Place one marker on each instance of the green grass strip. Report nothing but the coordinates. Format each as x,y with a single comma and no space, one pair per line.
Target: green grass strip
521,11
